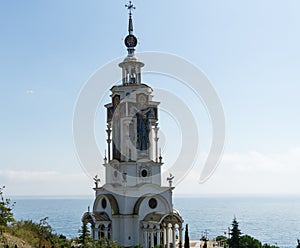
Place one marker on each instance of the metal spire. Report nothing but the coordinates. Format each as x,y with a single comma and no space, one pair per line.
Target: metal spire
130,8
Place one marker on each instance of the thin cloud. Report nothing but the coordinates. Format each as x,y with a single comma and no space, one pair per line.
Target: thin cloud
30,91
38,176
27,175
238,173
249,173
43,183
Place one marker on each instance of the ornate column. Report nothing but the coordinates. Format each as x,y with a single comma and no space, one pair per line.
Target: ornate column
105,231
156,128
135,73
174,235
125,147
180,237
140,78
145,237
150,147
108,131
151,238
124,76
167,236
158,233
129,74
95,233
151,232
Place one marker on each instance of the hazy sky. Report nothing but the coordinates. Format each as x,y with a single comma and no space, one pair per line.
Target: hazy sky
248,49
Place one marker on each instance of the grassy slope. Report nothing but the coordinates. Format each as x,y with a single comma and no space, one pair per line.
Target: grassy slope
13,240
26,235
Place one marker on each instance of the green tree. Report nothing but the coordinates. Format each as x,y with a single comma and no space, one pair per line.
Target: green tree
235,233
247,241
45,231
270,246
62,241
84,235
6,215
106,243
186,237
221,238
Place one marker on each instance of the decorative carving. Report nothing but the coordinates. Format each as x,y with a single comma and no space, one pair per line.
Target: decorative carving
170,180
97,181
115,171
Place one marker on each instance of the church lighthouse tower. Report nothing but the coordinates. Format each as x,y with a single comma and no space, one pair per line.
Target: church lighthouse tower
133,207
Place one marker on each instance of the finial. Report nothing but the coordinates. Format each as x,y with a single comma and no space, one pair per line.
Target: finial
97,181
105,158
170,180
160,157
88,208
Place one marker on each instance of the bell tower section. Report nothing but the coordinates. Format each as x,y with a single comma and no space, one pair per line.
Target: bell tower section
132,125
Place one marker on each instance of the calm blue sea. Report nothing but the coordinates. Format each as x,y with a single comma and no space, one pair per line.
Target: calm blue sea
271,220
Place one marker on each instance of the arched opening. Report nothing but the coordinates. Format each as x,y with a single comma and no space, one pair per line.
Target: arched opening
112,201
161,229
101,232
100,224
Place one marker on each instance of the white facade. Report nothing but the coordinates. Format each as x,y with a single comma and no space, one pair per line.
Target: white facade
132,207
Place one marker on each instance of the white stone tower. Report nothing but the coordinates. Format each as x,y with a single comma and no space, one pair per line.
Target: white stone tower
133,207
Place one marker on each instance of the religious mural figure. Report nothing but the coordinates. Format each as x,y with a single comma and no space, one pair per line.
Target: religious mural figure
142,118
143,130
116,128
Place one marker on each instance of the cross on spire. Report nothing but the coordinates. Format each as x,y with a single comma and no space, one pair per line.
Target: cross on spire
130,7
